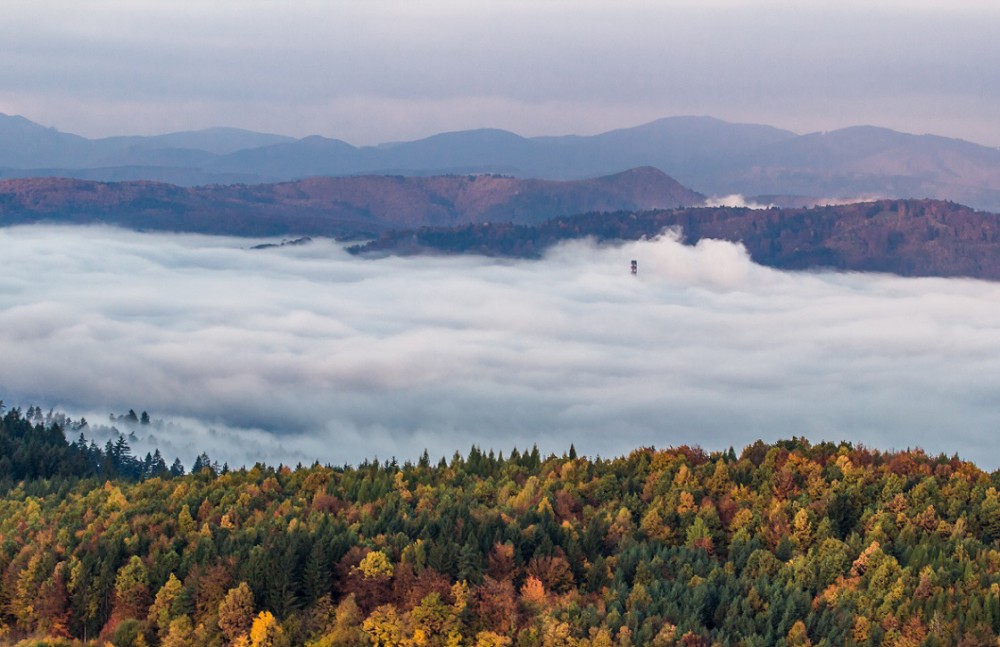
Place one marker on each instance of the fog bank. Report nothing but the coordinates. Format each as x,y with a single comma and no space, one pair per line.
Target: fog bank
307,353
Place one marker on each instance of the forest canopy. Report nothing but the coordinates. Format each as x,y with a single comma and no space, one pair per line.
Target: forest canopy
788,543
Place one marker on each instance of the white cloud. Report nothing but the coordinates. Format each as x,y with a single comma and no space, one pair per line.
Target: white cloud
734,200
306,353
740,201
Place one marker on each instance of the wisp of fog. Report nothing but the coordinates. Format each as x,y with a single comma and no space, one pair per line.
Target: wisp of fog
298,354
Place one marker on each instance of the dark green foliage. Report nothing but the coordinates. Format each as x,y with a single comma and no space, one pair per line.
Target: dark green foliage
33,446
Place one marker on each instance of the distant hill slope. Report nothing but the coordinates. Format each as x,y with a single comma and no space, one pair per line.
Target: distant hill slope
907,237
334,206
867,161
709,155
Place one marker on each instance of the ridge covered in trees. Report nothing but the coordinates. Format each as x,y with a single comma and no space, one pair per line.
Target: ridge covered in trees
787,543
346,207
905,237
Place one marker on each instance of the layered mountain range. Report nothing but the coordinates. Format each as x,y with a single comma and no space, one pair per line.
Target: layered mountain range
508,195
710,156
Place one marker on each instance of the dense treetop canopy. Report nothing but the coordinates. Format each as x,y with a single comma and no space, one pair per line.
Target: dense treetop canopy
780,544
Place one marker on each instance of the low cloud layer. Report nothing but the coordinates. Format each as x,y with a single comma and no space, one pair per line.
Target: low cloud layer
734,200
306,353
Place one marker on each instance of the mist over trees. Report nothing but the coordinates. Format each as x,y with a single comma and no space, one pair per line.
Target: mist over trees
34,445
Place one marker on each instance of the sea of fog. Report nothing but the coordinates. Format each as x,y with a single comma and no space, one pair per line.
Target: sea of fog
298,354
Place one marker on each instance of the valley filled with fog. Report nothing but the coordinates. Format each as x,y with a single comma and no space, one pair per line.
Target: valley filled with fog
297,354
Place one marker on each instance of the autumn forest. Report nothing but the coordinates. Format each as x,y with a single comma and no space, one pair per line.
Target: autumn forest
779,544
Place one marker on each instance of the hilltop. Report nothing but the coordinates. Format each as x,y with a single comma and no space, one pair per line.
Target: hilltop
332,206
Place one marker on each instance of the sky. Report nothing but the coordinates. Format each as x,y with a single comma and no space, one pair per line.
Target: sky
389,70
299,354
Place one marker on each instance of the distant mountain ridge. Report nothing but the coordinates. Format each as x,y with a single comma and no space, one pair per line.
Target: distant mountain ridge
709,155
25,144
347,207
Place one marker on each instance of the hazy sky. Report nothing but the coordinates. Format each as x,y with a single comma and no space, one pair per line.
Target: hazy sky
305,353
381,70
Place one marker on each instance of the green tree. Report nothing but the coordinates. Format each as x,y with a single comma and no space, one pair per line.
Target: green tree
132,589
164,607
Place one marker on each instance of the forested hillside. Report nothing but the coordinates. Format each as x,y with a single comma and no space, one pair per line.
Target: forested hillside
781,544
345,207
906,237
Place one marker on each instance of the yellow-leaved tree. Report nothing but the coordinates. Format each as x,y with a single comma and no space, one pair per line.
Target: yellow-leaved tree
375,564
266,631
